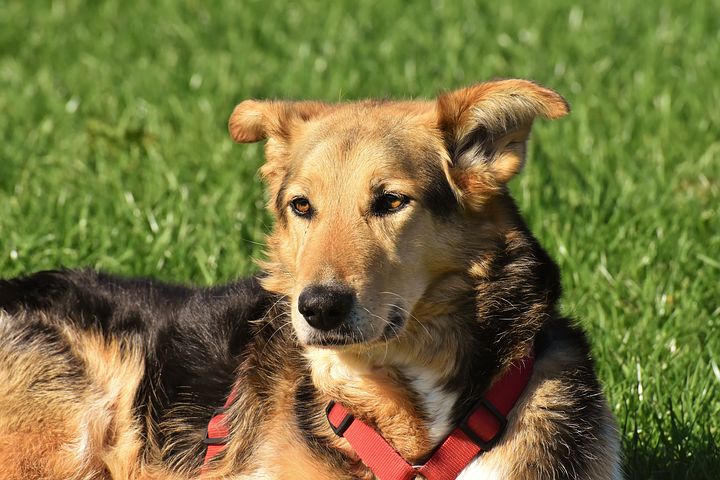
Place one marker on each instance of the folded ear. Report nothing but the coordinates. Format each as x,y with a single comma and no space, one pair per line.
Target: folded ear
255,120
486,128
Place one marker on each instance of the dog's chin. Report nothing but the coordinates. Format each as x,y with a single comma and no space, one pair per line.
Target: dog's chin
332,341
347,337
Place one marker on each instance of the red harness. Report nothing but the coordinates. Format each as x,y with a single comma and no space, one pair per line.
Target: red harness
478,432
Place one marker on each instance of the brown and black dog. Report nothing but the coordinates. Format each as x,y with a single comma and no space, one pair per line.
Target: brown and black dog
400,280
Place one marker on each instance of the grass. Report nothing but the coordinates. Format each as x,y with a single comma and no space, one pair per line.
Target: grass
114,155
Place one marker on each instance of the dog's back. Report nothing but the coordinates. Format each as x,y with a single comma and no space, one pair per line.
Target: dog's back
97,369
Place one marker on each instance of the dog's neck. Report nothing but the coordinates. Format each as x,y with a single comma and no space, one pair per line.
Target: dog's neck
404,389
394,399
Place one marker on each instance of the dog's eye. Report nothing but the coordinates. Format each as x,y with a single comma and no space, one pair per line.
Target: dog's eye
300,206
389,203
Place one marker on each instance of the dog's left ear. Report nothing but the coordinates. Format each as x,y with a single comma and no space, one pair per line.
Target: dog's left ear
255,120
486,128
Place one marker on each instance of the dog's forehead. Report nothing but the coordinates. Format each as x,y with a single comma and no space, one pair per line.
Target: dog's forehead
366,137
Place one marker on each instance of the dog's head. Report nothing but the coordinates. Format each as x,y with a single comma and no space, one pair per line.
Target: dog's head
375,201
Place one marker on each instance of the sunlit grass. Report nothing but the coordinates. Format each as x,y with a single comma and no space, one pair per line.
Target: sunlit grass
114,154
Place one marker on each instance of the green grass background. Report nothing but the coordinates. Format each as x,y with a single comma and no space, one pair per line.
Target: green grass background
114,154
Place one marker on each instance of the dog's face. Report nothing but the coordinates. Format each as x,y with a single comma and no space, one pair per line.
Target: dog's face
371,198
357,233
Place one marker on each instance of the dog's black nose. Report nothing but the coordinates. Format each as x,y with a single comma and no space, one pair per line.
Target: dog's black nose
325,306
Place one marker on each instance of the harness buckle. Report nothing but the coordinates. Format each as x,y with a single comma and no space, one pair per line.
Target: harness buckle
485,445
343,425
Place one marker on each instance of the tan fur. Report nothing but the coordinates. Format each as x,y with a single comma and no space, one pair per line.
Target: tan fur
295,462
68,434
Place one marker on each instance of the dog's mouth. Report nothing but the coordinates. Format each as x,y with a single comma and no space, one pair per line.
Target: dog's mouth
346,335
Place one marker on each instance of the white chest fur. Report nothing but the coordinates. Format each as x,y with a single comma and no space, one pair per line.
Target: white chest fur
436,402
482,469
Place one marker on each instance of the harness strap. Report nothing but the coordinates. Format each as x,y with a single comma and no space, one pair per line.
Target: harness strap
374,451
478,432
217,433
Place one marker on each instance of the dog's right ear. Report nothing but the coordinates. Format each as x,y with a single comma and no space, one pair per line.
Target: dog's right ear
486,127
255,120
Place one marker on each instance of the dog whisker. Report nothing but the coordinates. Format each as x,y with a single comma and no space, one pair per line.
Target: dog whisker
375,315
267,321
410,315
384,336
283,325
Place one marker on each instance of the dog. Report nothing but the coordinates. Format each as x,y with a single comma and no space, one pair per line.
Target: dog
402,294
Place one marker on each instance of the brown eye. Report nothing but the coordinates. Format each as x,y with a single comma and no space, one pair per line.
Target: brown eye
389,203
394,202
301,206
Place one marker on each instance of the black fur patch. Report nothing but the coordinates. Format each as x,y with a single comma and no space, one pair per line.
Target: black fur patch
438,196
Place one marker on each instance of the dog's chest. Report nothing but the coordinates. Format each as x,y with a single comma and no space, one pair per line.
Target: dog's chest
435,400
